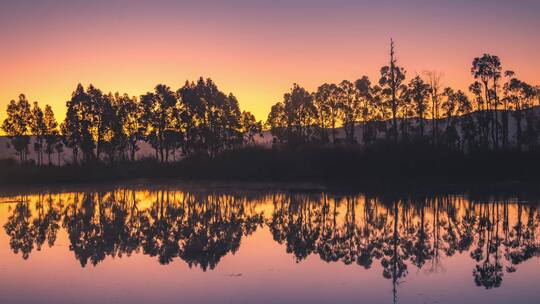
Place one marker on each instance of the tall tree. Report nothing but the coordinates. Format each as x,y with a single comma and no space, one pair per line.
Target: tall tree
418,91
250,127
520,96
367,107
39,130
157,108
449,107
17,126
326,101
277,123
350,109
434,82
51,135
129,112
488,68
392,77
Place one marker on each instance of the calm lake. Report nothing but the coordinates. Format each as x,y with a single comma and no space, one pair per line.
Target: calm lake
266,244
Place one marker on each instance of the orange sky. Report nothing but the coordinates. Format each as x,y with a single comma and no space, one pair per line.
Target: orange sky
252,49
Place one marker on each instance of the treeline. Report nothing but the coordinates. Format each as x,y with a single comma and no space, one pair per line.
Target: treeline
394,109
197,118
496,113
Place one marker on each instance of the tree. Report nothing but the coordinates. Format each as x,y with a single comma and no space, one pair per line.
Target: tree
326,101
300,114
350,108
449,107
250,127
367,107
210,119
488,68
71,127
17,125
418,92
51,133
519,96
59,149
277,123
129,112
466,123
434,82
100,118
481,115
39,130
392,77
157,109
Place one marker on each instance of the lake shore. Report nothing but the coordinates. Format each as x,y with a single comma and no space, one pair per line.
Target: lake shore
400,166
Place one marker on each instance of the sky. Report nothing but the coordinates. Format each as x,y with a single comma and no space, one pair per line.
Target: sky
255,49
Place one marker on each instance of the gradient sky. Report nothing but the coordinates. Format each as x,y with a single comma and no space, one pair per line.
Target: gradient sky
255,49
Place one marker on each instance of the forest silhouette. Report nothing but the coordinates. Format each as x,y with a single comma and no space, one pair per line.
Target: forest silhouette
393,120
398,232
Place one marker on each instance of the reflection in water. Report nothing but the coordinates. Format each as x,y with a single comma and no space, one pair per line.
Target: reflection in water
200,228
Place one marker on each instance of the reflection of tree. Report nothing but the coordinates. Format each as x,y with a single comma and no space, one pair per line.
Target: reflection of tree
214,227
27,233
46,224
294,223
18,228
403,231
201,228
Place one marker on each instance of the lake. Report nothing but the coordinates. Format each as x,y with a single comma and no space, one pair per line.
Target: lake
215,243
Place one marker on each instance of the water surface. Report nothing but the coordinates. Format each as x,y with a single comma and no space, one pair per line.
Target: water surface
208,244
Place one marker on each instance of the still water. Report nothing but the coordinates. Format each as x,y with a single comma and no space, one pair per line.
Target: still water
239,244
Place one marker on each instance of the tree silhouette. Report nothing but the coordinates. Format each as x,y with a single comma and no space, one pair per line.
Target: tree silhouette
417,92
199,118
327,102
17,126
392,77
51,132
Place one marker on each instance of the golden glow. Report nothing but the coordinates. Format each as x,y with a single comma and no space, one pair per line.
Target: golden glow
254,50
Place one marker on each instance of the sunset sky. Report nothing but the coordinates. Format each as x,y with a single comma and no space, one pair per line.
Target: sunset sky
254,49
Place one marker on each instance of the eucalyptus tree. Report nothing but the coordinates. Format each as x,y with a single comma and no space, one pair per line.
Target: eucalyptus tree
17,125
157,108
193,115
71,131
321,100
101,118
39,130
52,137
230,122
466,121
406,111
300,114
350,108
392,77
449,106
488,68
418,92
506,107
129,112
327,102
482,116
77,127
250,127
434,82
367,107
277,123
520,96
379,111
